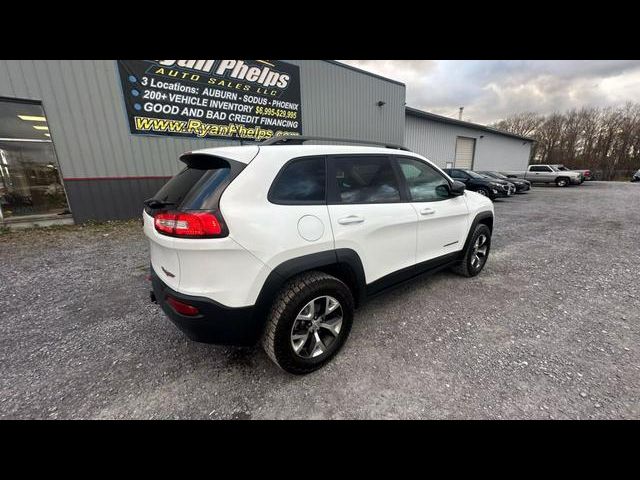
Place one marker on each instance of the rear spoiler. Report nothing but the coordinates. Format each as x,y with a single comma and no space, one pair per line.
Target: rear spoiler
203,161
202,158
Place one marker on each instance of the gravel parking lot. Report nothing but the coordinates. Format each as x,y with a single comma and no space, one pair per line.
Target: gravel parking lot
550,329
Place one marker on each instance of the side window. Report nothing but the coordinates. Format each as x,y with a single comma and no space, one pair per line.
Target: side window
364,180
539,168
425,184
301,181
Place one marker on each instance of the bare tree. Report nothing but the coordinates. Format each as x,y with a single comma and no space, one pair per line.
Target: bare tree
606,140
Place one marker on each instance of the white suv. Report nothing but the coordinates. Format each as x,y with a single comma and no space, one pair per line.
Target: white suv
283,241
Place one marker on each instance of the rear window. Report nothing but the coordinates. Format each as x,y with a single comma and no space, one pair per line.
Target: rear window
198,187
204,194
179,186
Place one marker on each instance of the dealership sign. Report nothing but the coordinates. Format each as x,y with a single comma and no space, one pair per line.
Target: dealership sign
242,99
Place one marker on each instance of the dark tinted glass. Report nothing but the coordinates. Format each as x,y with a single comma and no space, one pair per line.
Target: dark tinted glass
365,180
538,169
194,188
301,181
177,188
425,183
204,194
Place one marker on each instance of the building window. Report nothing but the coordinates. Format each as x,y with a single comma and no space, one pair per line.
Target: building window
29,176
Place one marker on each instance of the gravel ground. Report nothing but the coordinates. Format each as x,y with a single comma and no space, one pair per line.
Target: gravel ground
550,329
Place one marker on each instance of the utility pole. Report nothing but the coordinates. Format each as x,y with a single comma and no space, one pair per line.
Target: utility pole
460,114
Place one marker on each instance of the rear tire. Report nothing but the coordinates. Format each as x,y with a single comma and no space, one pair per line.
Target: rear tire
309,322
562,182
476,254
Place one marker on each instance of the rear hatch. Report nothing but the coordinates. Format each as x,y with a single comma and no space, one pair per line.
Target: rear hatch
187,206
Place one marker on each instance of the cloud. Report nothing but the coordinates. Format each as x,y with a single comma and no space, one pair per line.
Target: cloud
490,90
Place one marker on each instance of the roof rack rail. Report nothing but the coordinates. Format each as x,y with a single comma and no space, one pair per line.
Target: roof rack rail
300,139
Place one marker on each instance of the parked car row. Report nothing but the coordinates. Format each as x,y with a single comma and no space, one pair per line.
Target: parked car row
636,176
489,184
503,184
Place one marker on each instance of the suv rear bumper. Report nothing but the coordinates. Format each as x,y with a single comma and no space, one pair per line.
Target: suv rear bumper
216,323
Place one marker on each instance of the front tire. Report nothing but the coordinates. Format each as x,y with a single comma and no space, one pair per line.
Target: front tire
476,254
562,182
309,322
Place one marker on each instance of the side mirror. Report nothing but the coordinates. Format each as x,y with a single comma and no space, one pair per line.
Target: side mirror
457,188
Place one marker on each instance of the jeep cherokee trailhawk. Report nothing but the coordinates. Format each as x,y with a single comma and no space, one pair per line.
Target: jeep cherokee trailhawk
282,241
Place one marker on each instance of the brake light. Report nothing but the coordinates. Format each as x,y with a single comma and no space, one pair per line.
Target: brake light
188,224
181,307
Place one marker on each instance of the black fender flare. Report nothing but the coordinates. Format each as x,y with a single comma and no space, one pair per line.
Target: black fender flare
476,220
342,259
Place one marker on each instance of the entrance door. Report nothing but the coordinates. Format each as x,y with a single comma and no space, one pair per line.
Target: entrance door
465,148
29,176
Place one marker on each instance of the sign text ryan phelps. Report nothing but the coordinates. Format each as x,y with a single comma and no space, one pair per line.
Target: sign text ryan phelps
248,99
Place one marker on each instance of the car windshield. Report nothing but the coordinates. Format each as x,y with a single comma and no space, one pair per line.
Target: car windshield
554,168
475,174
496,175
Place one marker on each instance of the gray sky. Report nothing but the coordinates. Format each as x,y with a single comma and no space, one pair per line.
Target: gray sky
490,90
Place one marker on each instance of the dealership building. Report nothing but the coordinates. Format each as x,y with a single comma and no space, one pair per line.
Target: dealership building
90,140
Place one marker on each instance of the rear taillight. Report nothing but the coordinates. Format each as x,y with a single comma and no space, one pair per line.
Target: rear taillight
188,224
181,307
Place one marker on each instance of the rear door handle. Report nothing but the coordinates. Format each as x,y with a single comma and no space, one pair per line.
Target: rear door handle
350,219
427,211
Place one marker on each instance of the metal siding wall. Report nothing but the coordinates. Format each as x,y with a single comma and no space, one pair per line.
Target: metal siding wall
88,124
87,120
340,102
437,142
502,153
92,199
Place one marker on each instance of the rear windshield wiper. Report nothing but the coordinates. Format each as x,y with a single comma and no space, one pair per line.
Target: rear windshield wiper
155,203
